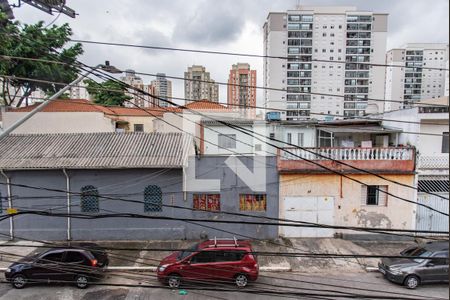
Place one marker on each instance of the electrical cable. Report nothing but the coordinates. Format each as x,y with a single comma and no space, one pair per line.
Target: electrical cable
141,216
272,285
361,170
251,133
313,121
318,164
238,54
246,86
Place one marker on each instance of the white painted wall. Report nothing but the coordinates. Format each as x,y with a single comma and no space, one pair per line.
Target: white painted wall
60,122
244,143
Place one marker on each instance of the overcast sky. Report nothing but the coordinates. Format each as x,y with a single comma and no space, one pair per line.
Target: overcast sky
224,25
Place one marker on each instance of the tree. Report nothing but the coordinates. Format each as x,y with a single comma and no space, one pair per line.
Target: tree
35,41
110,92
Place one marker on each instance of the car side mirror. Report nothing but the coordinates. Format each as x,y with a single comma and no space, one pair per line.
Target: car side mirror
186,262
430,264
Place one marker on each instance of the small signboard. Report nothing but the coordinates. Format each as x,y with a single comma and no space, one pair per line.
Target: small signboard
11,211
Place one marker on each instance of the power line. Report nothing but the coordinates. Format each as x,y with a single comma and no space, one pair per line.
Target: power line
288,151
258,253
361,129
238,54
251,133
249,86
290,144
141,216
287,287
318,124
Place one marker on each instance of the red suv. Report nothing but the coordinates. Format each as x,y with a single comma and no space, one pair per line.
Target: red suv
219,260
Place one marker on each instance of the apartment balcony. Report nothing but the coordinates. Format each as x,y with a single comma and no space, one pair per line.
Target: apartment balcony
395,160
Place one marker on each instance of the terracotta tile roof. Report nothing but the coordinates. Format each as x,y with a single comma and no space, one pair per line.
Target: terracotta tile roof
205,104
81,105
202,105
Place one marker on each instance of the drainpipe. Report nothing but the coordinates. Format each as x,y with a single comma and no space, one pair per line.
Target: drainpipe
11,222
69,221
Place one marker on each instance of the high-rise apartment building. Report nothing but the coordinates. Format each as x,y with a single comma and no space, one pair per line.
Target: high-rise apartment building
162,89
413,81
327,71
137,99
242,89
198,85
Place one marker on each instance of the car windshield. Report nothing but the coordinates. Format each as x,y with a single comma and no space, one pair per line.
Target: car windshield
185,253
418,252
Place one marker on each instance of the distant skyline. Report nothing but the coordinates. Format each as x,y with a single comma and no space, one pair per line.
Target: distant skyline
227,25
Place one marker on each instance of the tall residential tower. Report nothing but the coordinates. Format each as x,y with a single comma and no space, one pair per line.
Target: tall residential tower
327,73
242,89
162,89
198,85
414,81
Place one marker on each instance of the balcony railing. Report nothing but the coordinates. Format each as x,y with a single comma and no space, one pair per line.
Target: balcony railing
349,154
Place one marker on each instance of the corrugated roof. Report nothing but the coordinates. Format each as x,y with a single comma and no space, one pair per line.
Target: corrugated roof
94,151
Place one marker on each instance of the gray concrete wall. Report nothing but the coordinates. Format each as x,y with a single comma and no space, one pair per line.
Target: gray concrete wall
130,184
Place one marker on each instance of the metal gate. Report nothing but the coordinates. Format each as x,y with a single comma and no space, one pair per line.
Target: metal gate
427,219
309,209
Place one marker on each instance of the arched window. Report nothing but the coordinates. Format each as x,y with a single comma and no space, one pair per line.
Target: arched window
89,199
152,198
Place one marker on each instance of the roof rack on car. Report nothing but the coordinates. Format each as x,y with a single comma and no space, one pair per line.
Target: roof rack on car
227,245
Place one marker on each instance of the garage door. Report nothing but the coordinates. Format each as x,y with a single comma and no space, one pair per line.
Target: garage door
309,209
429,220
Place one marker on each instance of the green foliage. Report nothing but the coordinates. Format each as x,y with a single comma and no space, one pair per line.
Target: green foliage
110,92
36,41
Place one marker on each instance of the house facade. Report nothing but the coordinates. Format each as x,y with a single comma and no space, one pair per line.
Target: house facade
431,122
81,116
316,186
152,175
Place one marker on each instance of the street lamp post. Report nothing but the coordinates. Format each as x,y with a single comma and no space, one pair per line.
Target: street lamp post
105,67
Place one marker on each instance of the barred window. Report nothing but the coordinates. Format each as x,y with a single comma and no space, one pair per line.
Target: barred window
374,195
152,198
252,202
89,199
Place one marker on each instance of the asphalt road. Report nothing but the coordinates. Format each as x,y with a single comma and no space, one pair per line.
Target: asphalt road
279,285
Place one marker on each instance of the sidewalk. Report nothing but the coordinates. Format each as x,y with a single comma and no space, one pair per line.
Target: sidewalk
145,260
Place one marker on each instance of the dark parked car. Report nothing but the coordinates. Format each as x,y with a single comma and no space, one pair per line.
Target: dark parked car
425,263
213,260
69,264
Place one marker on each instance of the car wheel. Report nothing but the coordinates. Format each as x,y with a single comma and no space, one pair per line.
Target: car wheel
412,281
174,281
241,280
81,281
19,281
